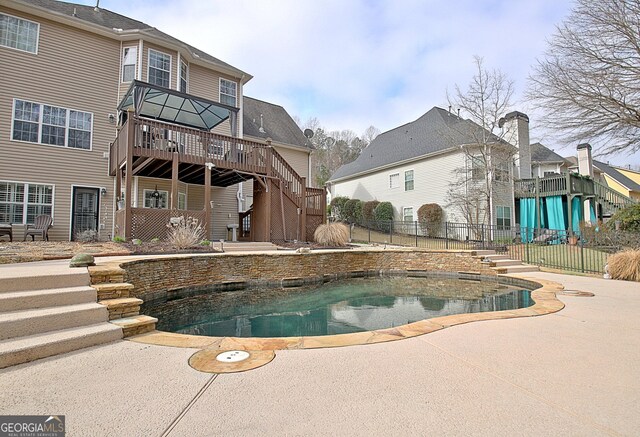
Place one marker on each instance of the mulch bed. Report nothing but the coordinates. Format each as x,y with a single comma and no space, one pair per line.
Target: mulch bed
19,252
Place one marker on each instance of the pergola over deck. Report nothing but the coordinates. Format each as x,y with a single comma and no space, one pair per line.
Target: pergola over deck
167,134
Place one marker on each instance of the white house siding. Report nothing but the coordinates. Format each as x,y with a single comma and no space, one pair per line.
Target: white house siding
538,170
432,177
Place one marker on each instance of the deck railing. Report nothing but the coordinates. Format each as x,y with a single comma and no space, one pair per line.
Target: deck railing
611,199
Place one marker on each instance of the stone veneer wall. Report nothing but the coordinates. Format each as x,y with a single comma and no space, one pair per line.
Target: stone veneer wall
156,277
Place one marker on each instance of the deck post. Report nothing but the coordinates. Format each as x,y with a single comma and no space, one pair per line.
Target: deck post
173,204
303,207
128,197
207,202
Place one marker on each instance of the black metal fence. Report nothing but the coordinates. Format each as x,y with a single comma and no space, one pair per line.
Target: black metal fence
585,251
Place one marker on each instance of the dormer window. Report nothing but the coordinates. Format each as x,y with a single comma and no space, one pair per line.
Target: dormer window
17,33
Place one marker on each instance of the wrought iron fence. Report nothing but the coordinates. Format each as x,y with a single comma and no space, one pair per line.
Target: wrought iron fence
585,251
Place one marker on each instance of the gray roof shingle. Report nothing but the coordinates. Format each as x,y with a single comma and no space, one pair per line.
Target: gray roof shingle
540,153
435,131
277,124
111,20
615,174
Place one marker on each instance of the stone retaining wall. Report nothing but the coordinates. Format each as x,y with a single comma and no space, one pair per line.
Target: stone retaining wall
155,278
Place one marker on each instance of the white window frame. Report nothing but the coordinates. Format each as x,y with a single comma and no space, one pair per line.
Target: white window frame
164,196
404,214
182,199
35,52
41,123
235,97
479,170
135,64
186,78
391,180
149,66
413,180
503,217
25,199
501,171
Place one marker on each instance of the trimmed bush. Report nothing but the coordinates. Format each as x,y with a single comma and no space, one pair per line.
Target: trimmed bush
625,265
349,212
629,219
332,234
357,212
383,215
430,218
367,211
337,207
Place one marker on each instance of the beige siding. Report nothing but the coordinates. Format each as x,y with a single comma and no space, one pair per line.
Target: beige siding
86,86
298,159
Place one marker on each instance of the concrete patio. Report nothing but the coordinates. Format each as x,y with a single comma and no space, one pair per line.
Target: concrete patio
574,372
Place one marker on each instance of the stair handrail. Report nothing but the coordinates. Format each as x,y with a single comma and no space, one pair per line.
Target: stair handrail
613,197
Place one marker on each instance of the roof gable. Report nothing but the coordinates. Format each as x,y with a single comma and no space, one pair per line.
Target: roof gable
276,123
541,154
435,131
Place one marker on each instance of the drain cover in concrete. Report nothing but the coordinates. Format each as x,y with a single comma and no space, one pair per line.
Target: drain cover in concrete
232,356
218,361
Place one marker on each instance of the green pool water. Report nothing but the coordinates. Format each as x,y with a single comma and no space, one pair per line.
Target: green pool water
339,307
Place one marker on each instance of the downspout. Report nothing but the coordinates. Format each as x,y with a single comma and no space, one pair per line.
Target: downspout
240,197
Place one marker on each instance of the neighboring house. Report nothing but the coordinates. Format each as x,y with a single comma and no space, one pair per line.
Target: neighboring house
78,78
624,181
416,163
422,161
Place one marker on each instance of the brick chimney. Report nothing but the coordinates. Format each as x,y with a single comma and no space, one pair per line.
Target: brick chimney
585,161
516,125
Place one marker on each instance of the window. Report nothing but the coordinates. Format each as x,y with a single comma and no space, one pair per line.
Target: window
15,207
19,34
159,69
550,173
129,62
407,214
182,201
408,180
478,169
150,202
228,92
502,170
183,76
46,124
394,180
503,217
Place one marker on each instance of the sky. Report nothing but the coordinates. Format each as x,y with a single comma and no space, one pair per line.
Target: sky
356,63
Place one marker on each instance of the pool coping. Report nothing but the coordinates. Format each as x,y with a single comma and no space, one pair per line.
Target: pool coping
544,297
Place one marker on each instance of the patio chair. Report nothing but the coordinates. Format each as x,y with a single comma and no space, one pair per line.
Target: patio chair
6,230
39,227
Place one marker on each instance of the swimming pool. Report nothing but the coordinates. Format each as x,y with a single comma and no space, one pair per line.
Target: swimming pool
337,307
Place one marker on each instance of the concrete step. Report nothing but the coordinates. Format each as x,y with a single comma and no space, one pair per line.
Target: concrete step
523,268
506,262
23,300
497,257
247,247
136,325
484,252
37,321
123,307
25,349
114,290
38,276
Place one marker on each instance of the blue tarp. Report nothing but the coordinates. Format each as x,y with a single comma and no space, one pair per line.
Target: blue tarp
577,214
527,219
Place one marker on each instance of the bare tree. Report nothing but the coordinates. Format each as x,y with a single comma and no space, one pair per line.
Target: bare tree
487,156
588,81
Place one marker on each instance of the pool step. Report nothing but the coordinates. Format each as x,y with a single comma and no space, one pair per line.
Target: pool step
496,257
24,300
122,307
24,349
506,262
112,290
521,268
28,322
136,325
